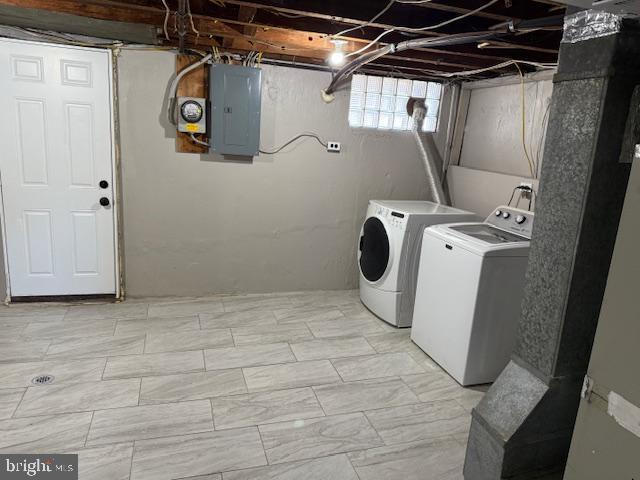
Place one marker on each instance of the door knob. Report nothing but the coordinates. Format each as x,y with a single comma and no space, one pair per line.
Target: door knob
104,201
103,184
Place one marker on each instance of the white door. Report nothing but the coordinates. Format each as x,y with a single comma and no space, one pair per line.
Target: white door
55,151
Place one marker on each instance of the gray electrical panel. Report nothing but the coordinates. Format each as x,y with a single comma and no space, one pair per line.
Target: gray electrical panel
235,95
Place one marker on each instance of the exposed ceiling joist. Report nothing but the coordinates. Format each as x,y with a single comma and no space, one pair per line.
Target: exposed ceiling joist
352,21
109,29
358,22
266,25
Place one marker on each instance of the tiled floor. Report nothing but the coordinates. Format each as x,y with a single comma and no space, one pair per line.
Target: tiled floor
299,386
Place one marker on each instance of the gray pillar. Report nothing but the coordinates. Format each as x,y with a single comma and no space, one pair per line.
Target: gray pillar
522,428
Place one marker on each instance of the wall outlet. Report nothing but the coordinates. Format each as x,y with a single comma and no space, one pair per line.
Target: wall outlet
333,147
528,185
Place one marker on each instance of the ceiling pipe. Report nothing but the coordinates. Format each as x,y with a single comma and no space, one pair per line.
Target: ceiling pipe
347,70
496,32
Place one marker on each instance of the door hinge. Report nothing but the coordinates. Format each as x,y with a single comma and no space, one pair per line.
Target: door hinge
587,388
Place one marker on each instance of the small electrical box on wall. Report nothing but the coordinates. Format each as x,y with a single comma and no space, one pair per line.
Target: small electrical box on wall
235,93
192,115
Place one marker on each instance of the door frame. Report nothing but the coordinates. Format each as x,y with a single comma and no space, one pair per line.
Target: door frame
115,163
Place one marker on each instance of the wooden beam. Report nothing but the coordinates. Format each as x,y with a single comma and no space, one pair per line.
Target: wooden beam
245,18
57,21
104,10
246,15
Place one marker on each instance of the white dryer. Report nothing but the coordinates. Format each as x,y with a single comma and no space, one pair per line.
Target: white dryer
470,287
388,252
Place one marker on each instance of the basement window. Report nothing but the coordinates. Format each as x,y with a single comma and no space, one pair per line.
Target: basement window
381,102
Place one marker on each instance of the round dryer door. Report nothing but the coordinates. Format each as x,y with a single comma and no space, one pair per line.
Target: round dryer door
374,249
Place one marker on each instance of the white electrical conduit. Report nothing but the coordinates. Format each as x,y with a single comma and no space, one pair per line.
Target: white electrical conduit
409,29
413,30
171,106
465,73
378,15
428,154
370,44
451,20
197,141
455,39
166,19
416,29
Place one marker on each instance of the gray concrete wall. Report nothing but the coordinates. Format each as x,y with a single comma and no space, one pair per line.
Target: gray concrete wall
493,131
492,160
203,224
481,191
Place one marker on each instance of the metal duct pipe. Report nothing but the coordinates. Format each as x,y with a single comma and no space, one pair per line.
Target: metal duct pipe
428,154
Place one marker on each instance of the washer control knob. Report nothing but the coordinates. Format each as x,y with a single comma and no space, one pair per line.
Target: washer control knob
521,219
506,215
498,213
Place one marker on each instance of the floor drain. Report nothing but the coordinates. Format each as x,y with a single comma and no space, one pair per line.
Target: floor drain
42,380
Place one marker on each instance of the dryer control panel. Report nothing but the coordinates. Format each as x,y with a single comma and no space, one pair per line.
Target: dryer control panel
394,219
512,219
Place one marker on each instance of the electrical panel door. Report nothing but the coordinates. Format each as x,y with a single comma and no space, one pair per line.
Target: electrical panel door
235,95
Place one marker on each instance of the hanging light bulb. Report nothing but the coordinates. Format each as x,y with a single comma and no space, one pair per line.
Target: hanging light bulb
337,57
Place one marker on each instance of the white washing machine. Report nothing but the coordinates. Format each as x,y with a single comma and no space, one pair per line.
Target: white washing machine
388,253
470,287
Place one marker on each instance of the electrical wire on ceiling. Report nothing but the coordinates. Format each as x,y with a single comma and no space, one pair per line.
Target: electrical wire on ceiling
166,19
505,29
449,40
417,29
466,73
451,20
408,29
370,44
375,17
193,27
454,39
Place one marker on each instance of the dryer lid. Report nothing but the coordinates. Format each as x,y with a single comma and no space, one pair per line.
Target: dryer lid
488,233
418,207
